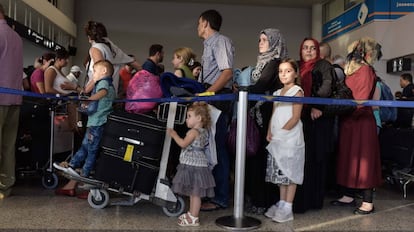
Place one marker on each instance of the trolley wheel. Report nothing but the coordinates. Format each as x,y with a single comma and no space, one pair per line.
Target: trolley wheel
50,180
99,199
175,210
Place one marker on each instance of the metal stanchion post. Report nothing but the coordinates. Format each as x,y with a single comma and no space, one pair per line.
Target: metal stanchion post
238,221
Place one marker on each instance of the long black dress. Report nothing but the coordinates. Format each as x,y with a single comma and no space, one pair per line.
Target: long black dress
319,145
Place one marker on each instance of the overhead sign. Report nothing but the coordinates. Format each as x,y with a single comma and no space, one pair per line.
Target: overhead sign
362,13
400,64
33,36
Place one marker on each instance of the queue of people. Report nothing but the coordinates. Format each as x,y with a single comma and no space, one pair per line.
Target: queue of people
289,173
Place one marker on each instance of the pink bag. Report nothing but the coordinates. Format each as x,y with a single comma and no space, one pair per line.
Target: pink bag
143,85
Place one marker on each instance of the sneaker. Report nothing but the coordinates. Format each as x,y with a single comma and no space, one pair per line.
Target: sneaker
72,172
58,167
86,186
283,216
271,212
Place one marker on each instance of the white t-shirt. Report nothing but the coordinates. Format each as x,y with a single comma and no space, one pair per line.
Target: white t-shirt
118,58
59,79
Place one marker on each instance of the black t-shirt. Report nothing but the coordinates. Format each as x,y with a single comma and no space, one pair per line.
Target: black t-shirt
408,92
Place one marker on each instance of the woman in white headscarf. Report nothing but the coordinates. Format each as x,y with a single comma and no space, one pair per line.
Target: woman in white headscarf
263,80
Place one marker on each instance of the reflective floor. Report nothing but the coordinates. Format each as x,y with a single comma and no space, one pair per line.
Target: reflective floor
34,208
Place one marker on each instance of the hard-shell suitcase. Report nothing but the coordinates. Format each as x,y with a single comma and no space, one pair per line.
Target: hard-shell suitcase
129,176
137,134
131,151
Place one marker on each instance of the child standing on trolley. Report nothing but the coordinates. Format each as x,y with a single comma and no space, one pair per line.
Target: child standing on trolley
85,157
194,178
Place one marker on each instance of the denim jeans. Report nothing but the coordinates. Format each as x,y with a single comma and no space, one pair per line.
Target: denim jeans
221,171
88,150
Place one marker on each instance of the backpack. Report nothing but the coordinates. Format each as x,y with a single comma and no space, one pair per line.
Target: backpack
387,114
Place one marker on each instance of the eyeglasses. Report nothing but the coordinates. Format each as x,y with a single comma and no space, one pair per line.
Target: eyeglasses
312,48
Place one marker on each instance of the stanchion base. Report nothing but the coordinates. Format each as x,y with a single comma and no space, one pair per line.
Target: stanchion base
239,224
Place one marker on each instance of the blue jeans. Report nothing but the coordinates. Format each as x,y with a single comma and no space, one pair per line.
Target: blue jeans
221,171
88,150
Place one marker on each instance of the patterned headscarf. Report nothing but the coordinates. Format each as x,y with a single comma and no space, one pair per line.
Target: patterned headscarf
277,50
365,51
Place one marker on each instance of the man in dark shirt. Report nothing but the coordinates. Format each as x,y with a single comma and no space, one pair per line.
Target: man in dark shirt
405,115
406,82
156,56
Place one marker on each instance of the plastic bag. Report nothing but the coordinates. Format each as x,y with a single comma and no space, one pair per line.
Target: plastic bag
143,85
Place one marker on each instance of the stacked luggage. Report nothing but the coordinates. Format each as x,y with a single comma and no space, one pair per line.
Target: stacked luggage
133,159
131,149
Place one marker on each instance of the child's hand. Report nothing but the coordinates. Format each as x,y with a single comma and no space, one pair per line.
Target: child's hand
171,132
269,137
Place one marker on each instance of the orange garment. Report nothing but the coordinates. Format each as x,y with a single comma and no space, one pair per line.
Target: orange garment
125,76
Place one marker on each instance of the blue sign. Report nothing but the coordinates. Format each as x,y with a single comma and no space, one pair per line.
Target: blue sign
362,13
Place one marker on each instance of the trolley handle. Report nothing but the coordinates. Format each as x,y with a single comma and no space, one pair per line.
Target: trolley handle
132,141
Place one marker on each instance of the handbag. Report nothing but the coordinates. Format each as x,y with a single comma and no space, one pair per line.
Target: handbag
340,91
90,107
87,107
252,137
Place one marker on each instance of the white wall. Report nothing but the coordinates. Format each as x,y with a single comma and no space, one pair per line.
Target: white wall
135,25
395,38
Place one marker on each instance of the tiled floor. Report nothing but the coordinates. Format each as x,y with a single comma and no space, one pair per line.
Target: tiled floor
33,208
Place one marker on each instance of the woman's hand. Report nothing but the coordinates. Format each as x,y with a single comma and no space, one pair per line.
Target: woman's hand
235,88
68,86
315,113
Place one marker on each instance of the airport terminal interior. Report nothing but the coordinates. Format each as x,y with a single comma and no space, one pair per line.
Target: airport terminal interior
46,25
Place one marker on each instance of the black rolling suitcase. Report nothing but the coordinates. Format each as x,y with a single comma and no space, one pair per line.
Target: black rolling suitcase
131,150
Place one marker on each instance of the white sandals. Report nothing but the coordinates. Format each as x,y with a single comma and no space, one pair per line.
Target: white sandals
187,219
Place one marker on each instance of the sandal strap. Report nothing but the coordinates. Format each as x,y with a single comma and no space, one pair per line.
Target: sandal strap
184,220
183,216
193,219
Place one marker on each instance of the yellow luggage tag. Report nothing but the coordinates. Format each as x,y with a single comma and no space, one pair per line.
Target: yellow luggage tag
128,153
208,93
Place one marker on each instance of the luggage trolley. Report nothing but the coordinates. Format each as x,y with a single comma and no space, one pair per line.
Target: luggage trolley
397,156
134,158
61,140
32,155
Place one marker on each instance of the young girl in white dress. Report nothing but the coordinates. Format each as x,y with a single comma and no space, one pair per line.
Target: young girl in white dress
194,178
286,158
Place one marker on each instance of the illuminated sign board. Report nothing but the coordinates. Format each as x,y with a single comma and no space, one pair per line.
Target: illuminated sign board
33,36
399,64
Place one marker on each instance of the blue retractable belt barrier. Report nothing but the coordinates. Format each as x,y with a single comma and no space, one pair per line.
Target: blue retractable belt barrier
230,97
